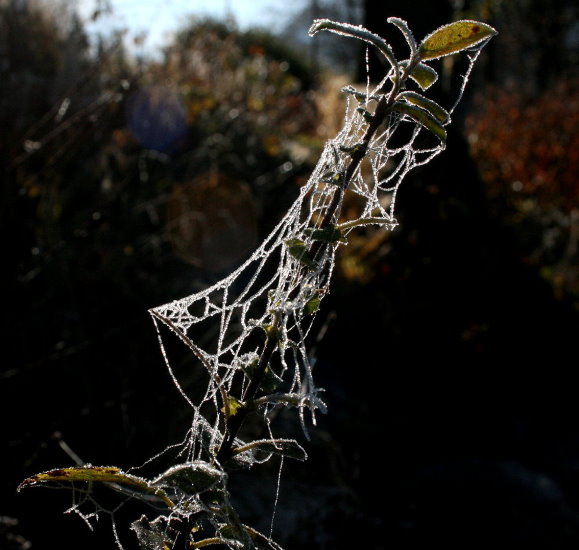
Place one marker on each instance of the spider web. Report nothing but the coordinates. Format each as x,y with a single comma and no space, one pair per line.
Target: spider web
281,285
274,287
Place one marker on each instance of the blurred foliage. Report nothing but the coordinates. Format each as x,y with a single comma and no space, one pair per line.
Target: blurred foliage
99,152
341,56
527,151
125,185
521,130
539,41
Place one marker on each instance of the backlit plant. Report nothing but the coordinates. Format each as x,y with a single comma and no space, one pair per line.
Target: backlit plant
262,314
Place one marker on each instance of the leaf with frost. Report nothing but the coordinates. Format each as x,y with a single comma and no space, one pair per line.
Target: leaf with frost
424,75
432,107
87,474
233,405
336,178
353,31
361,97
424,118
249,367
353,149
453,38
190,477
270,382
329,234
367,115
298,250
99,474
312,305
403,27
153,535
285,447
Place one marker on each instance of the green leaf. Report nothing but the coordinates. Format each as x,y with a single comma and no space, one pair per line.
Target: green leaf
329,234
285,447
312,305
424,75
354,148
270,381
453,38
421,116
190,477
367,115
336,178
432,107
271,331
298,250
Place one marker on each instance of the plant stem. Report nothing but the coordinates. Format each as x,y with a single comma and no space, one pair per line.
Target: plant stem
382,111
234,423
206,542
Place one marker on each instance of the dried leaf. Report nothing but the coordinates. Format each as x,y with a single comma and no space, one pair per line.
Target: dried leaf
87,474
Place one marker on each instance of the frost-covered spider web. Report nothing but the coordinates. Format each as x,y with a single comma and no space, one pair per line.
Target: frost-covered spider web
283,282
250,331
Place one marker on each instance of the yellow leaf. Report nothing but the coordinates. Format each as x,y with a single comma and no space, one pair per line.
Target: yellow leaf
453,38
233,406
87,473
102,474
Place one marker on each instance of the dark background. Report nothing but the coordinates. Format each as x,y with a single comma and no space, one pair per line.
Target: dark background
448,362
